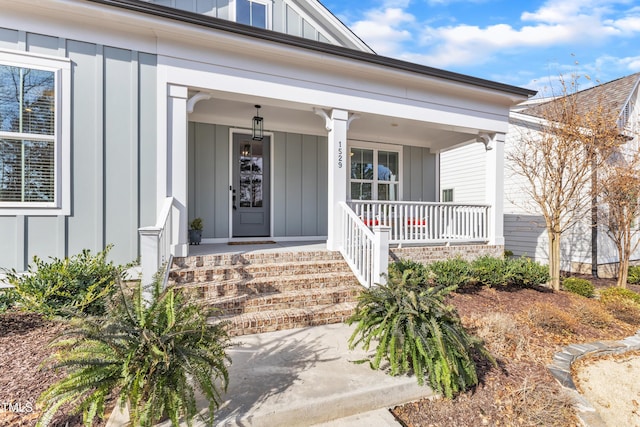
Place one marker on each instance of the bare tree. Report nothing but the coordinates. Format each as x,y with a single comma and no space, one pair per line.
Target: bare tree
556,156
619,196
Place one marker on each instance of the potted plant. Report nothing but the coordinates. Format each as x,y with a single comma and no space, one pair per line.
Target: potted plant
195,231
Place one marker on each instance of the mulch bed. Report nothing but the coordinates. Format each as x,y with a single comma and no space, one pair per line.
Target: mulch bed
519,392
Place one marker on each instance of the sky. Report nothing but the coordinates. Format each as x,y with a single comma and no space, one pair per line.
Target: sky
523,43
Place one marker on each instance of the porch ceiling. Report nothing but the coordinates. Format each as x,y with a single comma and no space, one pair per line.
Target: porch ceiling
281,116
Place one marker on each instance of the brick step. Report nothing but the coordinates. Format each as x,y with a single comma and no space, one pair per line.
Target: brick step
254,257
258,270
277,320
285,300
211,290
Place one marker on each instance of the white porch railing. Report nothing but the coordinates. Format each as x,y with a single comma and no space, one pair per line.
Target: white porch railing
366,251
426,222
155,243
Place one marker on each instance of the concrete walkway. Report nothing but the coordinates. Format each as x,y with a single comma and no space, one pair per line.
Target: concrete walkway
306,377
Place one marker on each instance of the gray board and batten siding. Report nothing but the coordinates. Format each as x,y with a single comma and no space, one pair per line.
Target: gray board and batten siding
285,19
420,172
299,165
113,155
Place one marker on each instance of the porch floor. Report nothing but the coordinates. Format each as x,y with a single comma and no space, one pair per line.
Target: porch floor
243,248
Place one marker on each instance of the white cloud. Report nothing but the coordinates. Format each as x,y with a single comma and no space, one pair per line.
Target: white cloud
575,23
532,40
630,64
384,30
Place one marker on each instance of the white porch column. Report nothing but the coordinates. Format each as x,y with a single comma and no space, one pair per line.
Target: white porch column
495,188
177,166
337,174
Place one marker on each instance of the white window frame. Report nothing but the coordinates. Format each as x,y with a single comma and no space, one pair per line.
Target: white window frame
269,11
61,67
443,193
376,148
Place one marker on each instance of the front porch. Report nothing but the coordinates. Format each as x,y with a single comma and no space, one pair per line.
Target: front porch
352,162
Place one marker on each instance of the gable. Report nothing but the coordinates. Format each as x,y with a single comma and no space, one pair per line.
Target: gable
302,18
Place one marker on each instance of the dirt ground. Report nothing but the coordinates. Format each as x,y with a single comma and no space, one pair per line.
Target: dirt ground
611,385
522,328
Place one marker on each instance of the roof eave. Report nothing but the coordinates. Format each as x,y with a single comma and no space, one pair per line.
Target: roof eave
276,37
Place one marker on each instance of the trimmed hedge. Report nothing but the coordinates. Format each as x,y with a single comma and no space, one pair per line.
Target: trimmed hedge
485,271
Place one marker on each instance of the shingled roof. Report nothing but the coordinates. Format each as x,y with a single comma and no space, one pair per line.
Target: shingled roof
614,96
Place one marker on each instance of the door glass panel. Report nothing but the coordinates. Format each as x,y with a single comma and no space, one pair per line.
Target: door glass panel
251,174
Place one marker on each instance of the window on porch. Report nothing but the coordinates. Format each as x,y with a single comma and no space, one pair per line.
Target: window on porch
374,174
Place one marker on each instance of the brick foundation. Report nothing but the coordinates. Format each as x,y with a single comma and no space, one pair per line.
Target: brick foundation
427,254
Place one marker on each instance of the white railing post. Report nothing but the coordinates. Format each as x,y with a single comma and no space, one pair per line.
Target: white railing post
149,253
156,242
381,235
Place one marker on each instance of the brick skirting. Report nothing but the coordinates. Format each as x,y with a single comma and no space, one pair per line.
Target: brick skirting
427,254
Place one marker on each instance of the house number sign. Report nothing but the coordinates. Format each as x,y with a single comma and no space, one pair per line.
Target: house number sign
340,156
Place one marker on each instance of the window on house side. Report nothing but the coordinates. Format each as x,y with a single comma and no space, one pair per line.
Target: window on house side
33,150
447,195
252,13
27,144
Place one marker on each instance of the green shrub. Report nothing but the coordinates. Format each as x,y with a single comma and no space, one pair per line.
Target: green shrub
634,275
413,329
508,253
452,272
578,286
65,287
526,273
418,272
8,298
616,293
489,271
153,351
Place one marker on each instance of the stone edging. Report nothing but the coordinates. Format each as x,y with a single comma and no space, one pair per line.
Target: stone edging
560,368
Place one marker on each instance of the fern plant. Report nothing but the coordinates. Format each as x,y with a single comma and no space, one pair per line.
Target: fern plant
414,329
153,352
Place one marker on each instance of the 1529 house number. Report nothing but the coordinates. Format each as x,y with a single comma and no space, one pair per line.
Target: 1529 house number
340,155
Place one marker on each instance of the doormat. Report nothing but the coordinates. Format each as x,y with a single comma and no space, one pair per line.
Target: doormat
258,242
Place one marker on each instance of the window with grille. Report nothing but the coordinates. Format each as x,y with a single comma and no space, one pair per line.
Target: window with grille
253,12
374,174
31,148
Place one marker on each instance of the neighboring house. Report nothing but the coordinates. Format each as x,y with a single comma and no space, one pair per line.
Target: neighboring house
524,228
135,114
